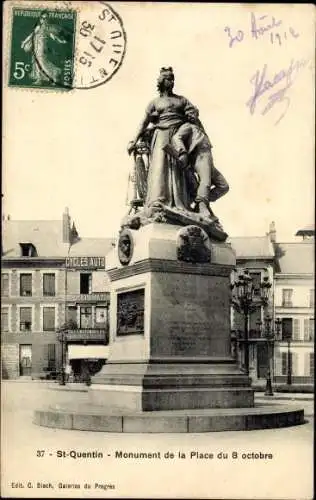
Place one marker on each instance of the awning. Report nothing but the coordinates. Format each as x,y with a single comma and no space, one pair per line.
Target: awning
88,351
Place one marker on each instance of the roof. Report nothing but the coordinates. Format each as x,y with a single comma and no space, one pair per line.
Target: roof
47,237
259,247
296,257
91,246
306,231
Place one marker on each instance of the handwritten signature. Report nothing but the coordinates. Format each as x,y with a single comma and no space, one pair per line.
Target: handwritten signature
262,87
259,27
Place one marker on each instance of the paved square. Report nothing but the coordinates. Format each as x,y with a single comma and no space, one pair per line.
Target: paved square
274,463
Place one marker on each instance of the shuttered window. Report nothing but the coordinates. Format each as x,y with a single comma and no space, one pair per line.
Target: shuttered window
309,329
296,329
25,285
49,285
287,294
311,364
5,284
284,361
25,319
4,319
48,319
51,356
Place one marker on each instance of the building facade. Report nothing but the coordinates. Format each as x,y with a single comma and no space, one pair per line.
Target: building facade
290,267
55,302
294,306
256,255
50,278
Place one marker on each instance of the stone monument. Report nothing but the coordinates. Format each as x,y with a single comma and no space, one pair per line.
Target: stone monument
170,367
170,275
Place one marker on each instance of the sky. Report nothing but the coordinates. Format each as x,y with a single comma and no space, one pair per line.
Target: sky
69,148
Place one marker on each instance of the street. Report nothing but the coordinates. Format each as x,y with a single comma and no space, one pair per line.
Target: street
43,462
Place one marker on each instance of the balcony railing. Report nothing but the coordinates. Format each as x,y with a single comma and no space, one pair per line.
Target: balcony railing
25,326
287,303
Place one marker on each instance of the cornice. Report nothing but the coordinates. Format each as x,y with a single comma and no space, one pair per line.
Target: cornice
169,266
32,262
279,276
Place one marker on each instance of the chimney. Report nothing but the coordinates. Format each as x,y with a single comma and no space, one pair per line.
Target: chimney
66,226
272,232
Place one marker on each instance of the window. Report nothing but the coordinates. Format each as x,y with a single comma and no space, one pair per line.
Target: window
287,297
28,250
25,285
85,283
256,279
296,329
72,315
51,356
48,319
4,319
285,359
86,317
287,328
5,284
25,319
49,285
254,318
311,298
100,315
309,329
311,363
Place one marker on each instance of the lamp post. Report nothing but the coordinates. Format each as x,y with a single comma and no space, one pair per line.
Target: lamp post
270,335
289,362
245,302
62,378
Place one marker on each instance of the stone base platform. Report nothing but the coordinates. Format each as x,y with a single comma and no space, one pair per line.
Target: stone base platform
94,418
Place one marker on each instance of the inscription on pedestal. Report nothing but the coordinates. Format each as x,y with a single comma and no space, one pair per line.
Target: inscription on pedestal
130,312
186,338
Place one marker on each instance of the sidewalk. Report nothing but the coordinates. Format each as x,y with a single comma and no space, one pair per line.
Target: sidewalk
80,387
283,396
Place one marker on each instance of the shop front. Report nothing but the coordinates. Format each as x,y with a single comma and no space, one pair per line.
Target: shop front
85,361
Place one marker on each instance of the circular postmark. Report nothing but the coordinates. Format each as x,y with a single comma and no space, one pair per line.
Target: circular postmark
80,45
125,247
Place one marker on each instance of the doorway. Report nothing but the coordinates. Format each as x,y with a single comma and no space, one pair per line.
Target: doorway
25,360
262,359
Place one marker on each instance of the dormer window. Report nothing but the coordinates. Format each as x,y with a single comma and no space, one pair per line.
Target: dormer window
28,250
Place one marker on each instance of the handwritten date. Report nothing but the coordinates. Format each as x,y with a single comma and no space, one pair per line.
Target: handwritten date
259,28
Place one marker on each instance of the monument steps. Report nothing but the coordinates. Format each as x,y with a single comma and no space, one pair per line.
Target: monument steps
94,418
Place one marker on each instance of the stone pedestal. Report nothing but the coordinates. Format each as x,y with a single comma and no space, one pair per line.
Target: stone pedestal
170,329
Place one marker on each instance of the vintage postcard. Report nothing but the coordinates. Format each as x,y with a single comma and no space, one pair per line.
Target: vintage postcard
157,278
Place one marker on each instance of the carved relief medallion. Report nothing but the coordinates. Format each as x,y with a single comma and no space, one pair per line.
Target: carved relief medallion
125,247
193,245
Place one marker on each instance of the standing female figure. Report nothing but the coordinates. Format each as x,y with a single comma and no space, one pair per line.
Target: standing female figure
166,179
175,123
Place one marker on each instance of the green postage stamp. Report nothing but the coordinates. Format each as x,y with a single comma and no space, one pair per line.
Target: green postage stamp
42,48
